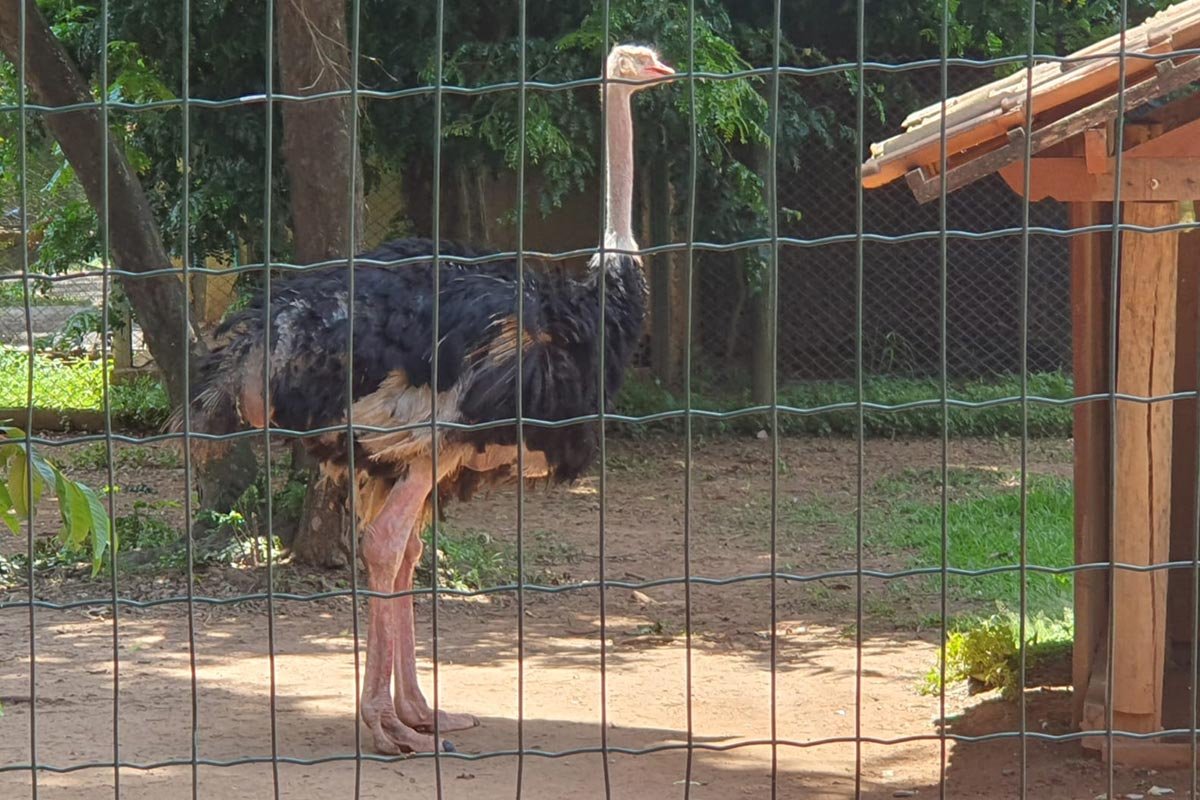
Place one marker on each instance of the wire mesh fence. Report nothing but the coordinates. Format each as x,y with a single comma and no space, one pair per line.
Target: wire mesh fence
762,579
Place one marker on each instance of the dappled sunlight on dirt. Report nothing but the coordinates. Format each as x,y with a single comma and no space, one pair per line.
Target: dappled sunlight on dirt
822,681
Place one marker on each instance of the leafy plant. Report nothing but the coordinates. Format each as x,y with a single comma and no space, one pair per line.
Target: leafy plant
85,521
987,651
143,528
140,403
57,383
467,560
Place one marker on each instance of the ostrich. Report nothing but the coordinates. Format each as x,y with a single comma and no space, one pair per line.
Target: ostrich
476,383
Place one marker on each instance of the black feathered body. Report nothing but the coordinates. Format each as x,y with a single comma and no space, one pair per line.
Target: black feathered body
392,371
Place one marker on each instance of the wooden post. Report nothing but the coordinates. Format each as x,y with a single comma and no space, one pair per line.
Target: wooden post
123,345
1141,529
1181,606
1090,269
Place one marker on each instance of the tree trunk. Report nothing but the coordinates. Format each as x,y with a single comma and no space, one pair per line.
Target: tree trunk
54,80
762,367
322,534
666,285
314,57
762,377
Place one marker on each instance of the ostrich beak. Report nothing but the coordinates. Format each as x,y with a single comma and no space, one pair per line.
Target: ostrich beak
660,69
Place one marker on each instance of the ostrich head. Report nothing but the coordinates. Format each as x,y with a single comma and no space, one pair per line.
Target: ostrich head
631,62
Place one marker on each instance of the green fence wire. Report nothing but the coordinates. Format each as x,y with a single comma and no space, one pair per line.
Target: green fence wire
777,244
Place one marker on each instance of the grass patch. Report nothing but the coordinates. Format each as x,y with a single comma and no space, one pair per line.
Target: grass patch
983,531
144,527
141,403
57,383
78,385
467,560
642,397
94,456
470,560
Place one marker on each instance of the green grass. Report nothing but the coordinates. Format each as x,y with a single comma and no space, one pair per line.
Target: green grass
983,531
904,519
78,385
470,560
642,397
983,516
57,383
94,456
142,404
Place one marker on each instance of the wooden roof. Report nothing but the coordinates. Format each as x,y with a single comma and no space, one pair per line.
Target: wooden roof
985,128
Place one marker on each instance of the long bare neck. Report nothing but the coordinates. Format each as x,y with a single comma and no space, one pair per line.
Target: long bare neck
618,186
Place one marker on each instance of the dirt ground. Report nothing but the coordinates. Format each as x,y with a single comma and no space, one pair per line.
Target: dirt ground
820,686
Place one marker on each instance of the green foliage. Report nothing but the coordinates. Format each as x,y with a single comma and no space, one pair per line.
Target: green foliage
246,521
12,293
467,560
57,383
140,403
94,456
78,326
144,526
991,29
641,397
85,522
987,651
78,384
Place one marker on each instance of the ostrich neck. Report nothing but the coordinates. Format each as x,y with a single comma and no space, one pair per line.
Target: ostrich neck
619,173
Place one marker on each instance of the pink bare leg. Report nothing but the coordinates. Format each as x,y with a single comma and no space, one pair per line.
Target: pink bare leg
411,705
384,544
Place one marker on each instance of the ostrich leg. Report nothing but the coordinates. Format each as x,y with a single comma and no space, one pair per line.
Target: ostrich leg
385,542
411,705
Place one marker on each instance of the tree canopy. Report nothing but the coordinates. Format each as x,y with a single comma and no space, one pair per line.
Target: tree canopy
564,41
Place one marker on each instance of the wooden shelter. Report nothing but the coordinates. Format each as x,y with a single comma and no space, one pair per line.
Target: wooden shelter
1067,122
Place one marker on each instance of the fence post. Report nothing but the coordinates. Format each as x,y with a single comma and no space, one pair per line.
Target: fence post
1141,531
123,346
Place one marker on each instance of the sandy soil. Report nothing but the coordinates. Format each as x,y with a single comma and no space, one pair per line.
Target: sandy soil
822,691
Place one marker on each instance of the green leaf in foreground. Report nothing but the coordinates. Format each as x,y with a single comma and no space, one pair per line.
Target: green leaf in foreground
101,532
84,517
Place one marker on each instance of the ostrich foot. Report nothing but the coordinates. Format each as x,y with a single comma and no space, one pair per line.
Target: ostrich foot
420,717
393,737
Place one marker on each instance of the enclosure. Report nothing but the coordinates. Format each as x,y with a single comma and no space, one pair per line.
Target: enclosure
887,504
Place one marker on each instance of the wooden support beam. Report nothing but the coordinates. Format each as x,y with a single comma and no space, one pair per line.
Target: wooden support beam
1095,150
1141,529
1155,180
1180,142
1091,266
1181,605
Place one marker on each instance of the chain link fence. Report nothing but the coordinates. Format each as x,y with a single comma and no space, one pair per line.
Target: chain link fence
817,281
901,280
